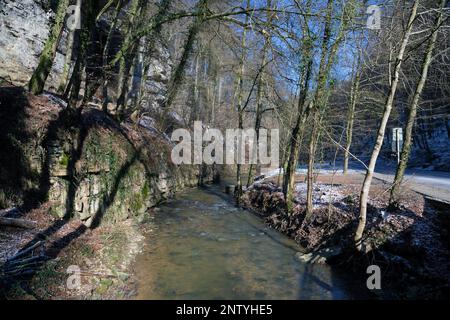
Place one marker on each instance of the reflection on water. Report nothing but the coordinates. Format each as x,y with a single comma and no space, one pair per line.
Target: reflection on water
202,247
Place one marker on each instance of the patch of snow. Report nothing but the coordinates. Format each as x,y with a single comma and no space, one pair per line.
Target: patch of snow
323,194
273,173
326,169
54,99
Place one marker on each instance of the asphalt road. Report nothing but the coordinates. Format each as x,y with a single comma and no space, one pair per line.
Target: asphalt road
434,184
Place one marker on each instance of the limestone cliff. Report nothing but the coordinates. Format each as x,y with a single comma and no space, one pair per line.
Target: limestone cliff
87,166
24,28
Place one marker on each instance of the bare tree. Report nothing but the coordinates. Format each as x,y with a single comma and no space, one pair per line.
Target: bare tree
382,128
394,196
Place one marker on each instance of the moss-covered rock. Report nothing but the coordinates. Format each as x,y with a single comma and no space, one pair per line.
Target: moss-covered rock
88,167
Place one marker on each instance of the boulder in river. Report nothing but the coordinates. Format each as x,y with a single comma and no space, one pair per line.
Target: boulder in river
319,257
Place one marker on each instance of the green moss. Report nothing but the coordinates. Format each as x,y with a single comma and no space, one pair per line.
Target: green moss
4,200
136,203
86,251
55,211
47,279
64,161
104,285
145,190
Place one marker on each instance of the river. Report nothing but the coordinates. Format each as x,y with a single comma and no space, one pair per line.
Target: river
201,246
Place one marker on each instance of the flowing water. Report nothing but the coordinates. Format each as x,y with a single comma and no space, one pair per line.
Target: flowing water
201,246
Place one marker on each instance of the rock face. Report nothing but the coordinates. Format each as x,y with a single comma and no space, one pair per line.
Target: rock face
158,76
90,168
117,177
110,179
24,28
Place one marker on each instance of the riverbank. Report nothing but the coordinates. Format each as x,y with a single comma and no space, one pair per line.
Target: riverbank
102,258
410,245
87,182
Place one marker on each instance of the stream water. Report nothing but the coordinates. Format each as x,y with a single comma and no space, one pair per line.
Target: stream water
201,246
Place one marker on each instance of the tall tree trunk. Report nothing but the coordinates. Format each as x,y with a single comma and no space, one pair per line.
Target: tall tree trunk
395,191
195,114
240,93
296,136
106,49
151,40
127,60
296,139
322,79
381,130
354,95
322,94
89,11
68,62
126,66
40,75
178,75
259,92
218,98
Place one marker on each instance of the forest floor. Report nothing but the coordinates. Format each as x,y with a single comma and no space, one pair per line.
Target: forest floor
102,257
411,244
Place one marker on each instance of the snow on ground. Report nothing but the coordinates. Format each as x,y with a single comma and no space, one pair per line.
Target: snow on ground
325,169
55,99
323,194
273,173
319,169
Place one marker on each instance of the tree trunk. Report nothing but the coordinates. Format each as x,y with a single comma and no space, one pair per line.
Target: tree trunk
311,161
302,113
321,94
259,92
296,142
195,108
67,63
381,130
354,94
178,75
322,78
395,191
105,56
151,41
89,12
40,75
127,60
18,223
240,92
218,100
